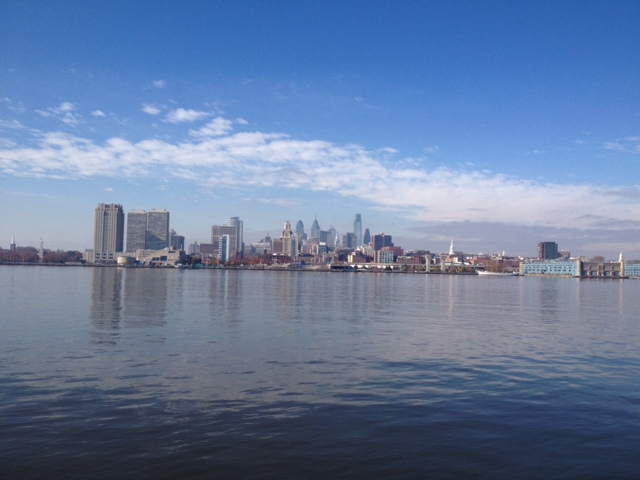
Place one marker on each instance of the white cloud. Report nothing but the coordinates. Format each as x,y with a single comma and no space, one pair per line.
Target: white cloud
159,84
216,158
151,109
64,113
180,115
629,145
216,127
98,113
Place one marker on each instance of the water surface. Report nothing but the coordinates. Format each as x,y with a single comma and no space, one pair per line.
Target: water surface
143,373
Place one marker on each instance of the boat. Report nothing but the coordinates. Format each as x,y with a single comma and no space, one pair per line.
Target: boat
496,274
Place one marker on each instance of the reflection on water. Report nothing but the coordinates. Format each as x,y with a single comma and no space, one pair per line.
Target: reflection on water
206,373
106,304
127,298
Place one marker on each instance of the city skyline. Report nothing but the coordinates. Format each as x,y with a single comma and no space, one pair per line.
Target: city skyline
500,125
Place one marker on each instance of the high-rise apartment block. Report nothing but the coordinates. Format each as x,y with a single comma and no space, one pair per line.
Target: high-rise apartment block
548,251
136,230
108,233
147,230
157,229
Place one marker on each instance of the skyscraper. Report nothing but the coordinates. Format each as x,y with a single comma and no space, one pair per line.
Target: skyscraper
239,224
315,230
357,229
289,244
108,232
234,243
157,230
367,237
136,230
381,240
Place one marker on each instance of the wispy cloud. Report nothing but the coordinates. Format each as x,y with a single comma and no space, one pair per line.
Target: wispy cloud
181,115
215,157
629,145
98,113
64,113
151,109
159,84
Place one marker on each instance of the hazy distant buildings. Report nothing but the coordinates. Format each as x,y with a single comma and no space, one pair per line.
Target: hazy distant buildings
300,230
380,241
287,244
357,229
226,240
349,240
176,241
108,233
315,230
367,237
548,251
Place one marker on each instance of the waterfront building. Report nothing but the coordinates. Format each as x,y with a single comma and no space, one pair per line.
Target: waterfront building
157,230
160,258
239,245
224,250
569,268
108,233
547,251
136,230
384,255
632,270
576,268
357,229
148,230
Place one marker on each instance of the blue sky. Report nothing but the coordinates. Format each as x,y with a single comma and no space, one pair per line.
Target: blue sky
500,124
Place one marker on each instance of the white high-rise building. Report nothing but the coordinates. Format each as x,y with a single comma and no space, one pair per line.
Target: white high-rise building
108,232
239,224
